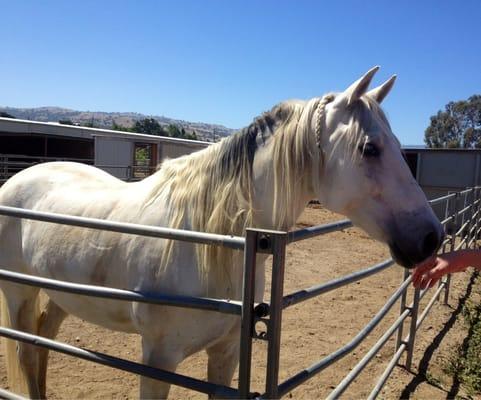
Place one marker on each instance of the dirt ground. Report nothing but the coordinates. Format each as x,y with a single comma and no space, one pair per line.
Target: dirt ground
310,331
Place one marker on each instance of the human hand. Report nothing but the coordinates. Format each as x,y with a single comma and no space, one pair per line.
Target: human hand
431,270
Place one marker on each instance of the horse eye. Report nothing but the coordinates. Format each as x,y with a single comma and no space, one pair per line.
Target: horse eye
369,150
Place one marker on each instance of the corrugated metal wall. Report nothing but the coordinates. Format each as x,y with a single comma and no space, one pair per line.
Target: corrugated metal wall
115,156
173,150
440,172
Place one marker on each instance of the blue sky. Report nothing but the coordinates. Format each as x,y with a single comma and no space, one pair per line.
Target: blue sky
227,61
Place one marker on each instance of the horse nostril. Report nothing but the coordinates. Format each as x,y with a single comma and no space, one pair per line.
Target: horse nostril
430,244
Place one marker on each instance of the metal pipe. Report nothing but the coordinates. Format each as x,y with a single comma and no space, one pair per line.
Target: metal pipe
5,394
308,293
312,231
349,378
460,244
233,242
453,226
446,220
247,316
402,308
124,365
200,303
464,210
279,242
384,377
429,305
392,364
460,230
465,191
412,329
314,369
441,199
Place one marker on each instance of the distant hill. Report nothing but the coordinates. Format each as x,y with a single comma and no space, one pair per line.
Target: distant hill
99,119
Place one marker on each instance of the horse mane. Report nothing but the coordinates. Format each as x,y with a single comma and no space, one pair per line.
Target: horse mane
212,190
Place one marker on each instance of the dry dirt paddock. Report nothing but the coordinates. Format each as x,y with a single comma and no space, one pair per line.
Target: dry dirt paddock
310,331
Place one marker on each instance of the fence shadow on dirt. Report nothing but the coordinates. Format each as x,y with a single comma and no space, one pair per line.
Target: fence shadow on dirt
421,377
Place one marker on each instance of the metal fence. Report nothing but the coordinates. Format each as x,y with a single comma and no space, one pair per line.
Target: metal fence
10,164
461,222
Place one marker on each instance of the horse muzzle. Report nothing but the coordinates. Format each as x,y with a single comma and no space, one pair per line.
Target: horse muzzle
417,244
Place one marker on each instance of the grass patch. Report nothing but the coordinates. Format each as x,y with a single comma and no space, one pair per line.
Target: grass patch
465,364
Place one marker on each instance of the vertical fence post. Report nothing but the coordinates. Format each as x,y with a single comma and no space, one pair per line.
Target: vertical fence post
412,329
470,217
399,337
477,211
465,232
247,316
443,249
279,242
447,214
452,244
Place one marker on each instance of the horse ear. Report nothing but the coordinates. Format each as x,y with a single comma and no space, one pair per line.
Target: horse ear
382,91
358,88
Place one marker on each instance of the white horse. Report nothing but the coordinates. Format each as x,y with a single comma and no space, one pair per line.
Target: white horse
338,148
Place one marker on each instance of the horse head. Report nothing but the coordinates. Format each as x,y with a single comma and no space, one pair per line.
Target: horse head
363,175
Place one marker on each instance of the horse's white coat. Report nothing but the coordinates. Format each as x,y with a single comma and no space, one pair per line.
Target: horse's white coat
287,170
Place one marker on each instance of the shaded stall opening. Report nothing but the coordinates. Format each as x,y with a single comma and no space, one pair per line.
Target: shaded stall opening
412,161
145,160
19,151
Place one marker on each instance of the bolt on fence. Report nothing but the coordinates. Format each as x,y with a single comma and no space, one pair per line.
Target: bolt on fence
461,221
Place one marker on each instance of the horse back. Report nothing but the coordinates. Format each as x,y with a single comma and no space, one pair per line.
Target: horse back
65,188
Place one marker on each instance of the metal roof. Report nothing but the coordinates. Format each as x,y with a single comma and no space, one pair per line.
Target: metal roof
55,129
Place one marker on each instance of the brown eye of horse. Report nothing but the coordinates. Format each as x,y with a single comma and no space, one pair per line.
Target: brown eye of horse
369,150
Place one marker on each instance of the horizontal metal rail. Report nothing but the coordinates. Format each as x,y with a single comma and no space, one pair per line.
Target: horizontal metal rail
460,244
403,347
43,158
306,294
464,210
314,369
387,372
305,233
466,191
124,365
462,228
343,385
233,242
442,199
430,304
199,303
5,394
446,220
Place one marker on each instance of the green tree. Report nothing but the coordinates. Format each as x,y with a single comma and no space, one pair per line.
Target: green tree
458,126
91,123
118,127
149,126
174,131
191,136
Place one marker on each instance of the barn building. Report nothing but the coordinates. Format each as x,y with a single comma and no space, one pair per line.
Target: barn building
126,155
439,171
132,156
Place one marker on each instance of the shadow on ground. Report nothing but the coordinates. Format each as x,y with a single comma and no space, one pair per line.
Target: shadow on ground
421,377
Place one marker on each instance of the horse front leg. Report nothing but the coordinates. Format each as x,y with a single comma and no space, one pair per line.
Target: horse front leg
223,358
159,354
50,320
